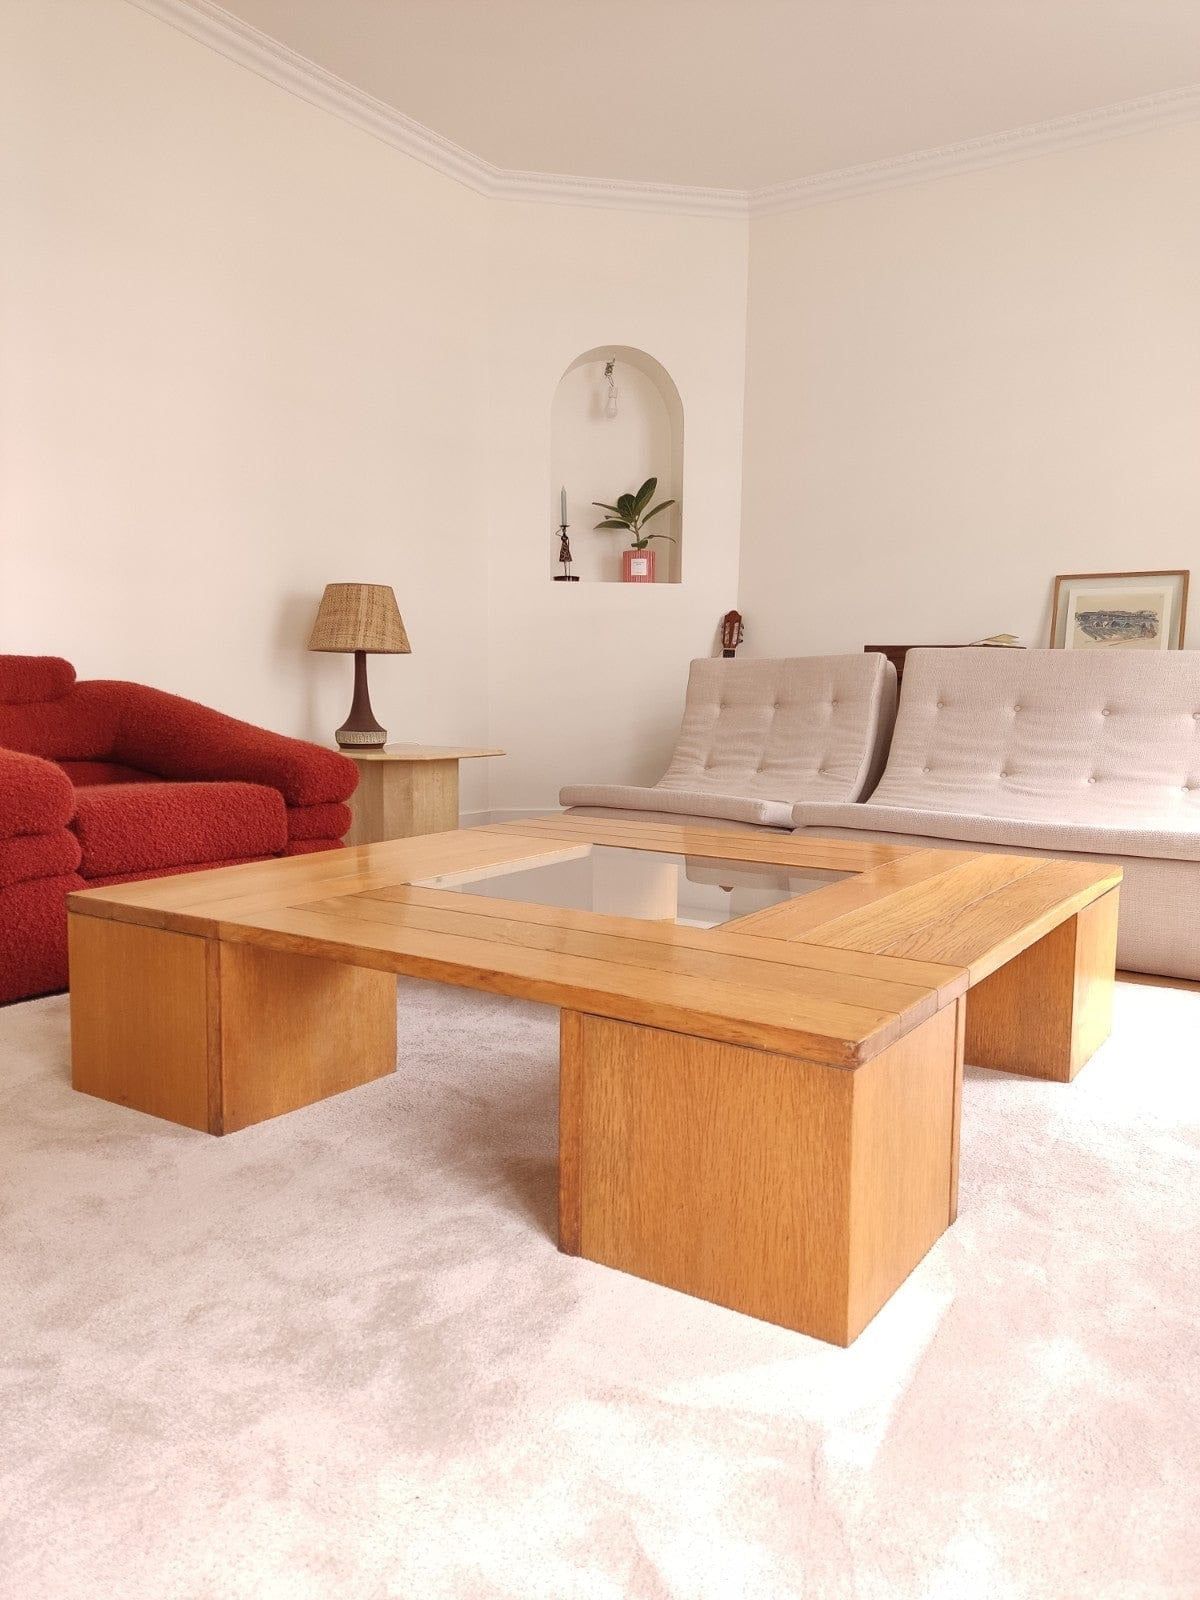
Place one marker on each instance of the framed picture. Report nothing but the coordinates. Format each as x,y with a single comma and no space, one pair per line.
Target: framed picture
1119,611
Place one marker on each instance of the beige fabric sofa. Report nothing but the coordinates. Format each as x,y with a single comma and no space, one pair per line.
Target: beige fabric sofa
1050,752
759,735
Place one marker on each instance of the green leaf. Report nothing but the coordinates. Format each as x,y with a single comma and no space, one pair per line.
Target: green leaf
604,505
661,506
639,544
625,506
642,499
665,536
613,522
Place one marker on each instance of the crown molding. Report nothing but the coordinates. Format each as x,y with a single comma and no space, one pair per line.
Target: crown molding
237,41
991,150
211,25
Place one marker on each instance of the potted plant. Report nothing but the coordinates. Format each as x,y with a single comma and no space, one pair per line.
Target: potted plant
630,513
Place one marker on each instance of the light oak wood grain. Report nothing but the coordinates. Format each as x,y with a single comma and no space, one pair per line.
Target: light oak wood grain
143,1032
422,752
197,902
795,918
769,1184
728,939
757,966
903,1154
219,1036
774,848
397,800
991,931
1047,1010
895,919
960,1032
295,1029
570,1128
736,1009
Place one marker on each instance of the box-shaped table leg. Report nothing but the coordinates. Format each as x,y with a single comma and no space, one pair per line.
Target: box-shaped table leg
1045,1012
791,1190
218,1035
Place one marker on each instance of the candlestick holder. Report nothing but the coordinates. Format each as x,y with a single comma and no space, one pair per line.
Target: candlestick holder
564,555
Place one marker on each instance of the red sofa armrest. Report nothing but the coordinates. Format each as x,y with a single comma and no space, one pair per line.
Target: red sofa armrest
35,795
176,738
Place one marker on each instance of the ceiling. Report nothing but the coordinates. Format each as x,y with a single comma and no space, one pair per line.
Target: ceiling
734,94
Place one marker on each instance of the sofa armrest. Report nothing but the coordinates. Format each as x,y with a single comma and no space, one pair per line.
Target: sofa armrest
176,738
35,795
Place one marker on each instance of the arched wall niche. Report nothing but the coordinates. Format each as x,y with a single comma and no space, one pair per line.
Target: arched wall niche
597,457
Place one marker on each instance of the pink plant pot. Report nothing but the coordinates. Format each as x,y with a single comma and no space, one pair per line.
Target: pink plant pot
637,566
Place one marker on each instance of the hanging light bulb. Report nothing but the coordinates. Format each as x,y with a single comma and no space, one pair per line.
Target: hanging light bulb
610,403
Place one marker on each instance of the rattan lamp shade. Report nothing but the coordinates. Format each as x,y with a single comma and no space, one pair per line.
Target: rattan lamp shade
359,616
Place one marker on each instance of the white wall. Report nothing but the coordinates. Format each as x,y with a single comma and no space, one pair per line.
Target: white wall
246,350
957,390
241,357
587,679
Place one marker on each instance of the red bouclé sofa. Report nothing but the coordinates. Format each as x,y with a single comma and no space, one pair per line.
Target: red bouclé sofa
104,782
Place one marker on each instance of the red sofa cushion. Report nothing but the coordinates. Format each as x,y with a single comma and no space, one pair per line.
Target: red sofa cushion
330,821
37,855
84,773
33,936
126,828
35,796
24,680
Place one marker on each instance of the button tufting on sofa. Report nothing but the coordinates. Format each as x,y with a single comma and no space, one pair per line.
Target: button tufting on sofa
775,705
1054,801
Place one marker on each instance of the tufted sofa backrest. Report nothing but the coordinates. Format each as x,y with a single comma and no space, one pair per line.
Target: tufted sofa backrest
804,727
1072,736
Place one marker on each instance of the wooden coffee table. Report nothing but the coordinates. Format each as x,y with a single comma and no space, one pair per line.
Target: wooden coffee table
763,1113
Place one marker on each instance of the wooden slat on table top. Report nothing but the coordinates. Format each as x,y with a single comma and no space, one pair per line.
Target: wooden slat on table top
875,983
777,849
732,1010
983,936
196,902
792,919
948,981
877,925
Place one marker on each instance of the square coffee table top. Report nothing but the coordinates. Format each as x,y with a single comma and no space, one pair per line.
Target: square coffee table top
834,975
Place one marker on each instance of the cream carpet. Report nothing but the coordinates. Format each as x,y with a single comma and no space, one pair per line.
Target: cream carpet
337,1356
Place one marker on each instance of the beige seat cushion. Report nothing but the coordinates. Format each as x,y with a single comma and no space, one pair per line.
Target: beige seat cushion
680,819
679,803
1020,834
759,735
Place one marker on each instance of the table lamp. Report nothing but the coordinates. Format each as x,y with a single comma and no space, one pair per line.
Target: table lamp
363,618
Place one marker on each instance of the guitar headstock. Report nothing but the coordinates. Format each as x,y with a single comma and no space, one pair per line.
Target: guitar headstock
732,631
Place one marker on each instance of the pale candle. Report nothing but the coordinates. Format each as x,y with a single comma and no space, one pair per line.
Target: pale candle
562,505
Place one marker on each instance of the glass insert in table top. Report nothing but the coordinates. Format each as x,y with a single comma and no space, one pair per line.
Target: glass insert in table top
692,890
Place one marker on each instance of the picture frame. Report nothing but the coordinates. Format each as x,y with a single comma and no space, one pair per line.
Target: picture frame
1119,610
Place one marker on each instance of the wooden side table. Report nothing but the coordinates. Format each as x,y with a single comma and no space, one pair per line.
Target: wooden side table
406,789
